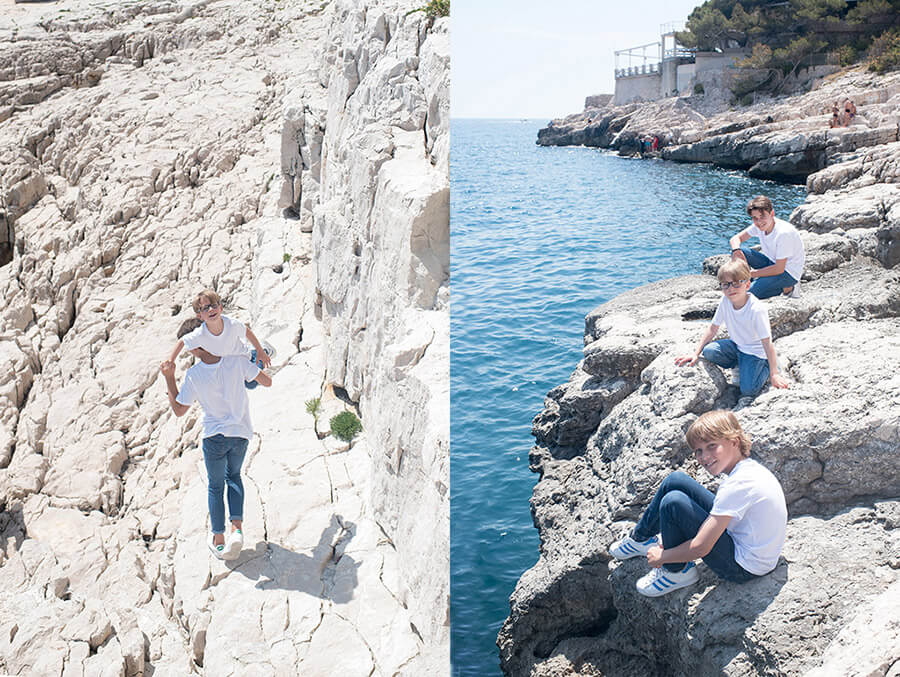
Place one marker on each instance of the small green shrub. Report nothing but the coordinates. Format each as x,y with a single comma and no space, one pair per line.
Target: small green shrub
698,88
884,54
846,55
747,100
287,257
345,426
312,406
434,8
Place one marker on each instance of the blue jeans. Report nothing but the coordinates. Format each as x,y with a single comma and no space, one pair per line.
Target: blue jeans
766,287
680,506
223,457
250,385
753,370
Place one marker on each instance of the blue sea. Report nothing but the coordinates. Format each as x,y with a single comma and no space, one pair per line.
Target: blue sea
540,237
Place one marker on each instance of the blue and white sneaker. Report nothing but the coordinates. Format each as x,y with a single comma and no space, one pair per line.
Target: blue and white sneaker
661,581
627,547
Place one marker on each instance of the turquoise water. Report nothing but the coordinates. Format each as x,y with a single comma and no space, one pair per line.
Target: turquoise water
539,237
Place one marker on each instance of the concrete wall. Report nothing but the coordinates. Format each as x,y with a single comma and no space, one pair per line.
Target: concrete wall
708,61
685,78
638,88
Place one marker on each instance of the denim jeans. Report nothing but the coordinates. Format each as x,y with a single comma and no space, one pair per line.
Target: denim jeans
250,385
766,287
223,457
677,510
753,370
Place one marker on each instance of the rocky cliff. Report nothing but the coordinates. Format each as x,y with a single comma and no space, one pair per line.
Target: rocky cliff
606,439
785,139
294,156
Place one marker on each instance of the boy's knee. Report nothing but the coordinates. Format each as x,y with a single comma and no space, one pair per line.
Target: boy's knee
673,502
674,479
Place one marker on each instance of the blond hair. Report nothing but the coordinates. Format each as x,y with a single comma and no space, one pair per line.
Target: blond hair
717,425
733,271
210,294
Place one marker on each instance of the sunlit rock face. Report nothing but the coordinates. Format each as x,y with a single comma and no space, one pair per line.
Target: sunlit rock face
150,150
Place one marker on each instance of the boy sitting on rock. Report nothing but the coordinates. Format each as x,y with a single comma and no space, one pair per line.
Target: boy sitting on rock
220,335
739,531
750,347
777,269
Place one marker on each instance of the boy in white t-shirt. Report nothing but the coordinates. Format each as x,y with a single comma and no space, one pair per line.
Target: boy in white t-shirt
219,334
750,347
217,383
738,531
778,268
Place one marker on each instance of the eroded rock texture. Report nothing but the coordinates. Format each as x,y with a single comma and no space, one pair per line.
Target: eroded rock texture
607,438
150,149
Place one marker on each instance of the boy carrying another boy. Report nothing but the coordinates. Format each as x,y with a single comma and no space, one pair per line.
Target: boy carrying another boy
220,335
750,347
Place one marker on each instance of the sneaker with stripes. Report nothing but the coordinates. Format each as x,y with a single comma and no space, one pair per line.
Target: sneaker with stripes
627,547
661,581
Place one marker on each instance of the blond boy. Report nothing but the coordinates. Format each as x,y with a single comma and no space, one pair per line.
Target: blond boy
750,347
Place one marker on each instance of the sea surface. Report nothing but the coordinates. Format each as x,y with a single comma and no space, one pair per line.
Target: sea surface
540,237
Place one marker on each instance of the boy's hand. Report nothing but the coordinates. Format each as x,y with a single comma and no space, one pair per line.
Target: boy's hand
778,381
265,359
689,360
654,556
167,368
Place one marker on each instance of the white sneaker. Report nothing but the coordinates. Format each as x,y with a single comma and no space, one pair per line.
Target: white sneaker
233,544
661,581
795,292
218,551
626,547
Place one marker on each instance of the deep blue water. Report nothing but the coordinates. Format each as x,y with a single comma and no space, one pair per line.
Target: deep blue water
539,237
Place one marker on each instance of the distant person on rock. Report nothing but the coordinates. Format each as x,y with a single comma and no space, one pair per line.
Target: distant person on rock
739,531
218,384
750,347
778,268
221,335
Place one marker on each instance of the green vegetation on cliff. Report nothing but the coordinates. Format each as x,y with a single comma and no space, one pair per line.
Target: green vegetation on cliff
786,35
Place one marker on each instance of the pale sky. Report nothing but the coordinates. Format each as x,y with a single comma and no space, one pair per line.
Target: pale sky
540,59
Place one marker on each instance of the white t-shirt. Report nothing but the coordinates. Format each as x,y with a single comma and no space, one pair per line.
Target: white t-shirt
227,343
753,498
220,390
748,326
782,243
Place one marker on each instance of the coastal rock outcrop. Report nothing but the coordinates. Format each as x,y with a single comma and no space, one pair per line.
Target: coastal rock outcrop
152,149
607,438
785,139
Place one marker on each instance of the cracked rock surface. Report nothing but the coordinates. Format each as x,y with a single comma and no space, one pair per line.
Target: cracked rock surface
150,149
607,438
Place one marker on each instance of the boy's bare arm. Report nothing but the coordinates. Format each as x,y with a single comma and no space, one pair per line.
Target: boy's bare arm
260,353
264,379
735,243
168,371
778,381
176,351
692,359
699,546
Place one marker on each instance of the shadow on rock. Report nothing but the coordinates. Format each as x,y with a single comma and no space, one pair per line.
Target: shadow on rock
328,572
715,618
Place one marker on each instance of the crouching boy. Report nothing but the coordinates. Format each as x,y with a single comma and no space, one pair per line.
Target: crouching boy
750,347
738,532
